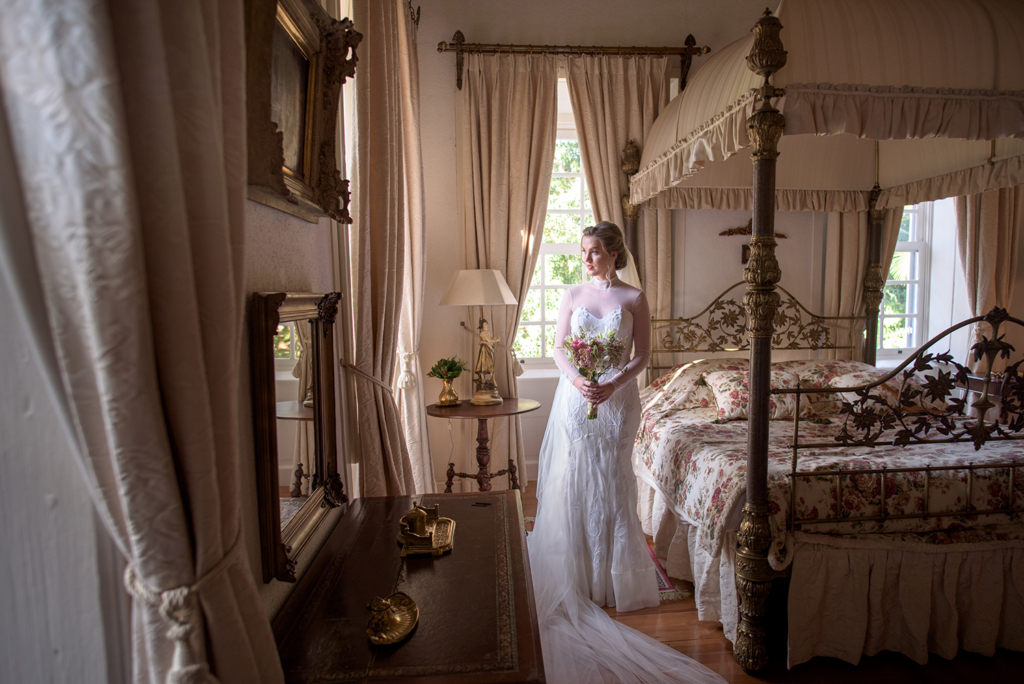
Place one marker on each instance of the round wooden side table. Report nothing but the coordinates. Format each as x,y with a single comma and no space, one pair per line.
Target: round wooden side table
508,407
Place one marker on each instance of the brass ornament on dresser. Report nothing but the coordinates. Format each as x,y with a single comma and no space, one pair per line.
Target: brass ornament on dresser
422,531
392,619
764,126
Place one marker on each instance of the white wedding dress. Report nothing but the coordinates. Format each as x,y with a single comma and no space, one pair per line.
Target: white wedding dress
587,548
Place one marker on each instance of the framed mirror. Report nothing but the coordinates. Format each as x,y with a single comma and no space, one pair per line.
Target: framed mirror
294,423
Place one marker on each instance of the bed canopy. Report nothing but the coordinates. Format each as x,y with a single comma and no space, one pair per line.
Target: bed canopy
934,81
840,106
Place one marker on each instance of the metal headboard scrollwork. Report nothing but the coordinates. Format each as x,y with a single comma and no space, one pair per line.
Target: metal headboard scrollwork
722,327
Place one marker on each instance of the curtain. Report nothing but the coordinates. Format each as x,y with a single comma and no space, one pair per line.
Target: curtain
846,265
379,244
616,99
507,142
411,398
128,123
988,227
304,440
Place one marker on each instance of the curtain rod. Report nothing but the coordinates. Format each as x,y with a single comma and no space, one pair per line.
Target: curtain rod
459,46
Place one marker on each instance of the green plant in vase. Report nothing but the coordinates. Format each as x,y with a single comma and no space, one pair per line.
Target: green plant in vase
447,370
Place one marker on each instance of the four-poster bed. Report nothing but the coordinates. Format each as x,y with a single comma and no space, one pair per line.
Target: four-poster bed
879,111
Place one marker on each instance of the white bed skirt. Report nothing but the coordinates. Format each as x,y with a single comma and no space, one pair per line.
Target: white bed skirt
854,597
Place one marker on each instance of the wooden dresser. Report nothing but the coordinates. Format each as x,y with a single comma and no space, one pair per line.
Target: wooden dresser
477,618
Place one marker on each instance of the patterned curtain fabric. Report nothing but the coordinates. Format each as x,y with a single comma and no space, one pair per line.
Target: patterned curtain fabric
128,124
616,99
379,244
846,266
411,399
988,227
507,142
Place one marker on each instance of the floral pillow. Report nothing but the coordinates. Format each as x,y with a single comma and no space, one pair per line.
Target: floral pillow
683,387
889,390
821,374
732,394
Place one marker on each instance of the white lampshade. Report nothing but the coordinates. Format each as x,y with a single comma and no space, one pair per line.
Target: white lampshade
477,287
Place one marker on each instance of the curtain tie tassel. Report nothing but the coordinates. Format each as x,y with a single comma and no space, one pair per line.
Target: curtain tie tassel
517,368
407,380
179,609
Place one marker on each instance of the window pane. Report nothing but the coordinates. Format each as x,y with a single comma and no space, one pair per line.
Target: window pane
563,269
527,343
586,197
562,228
898,333
564,192
554,300
567,156
549,338
904,235
531,307
537,270
895,299
283,342
904,266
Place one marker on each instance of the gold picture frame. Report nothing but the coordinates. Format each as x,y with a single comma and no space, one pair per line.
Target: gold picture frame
297,59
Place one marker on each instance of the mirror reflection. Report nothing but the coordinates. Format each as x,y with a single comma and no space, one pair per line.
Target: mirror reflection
293,389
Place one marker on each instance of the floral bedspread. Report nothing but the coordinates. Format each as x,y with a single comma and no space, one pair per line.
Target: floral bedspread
700,467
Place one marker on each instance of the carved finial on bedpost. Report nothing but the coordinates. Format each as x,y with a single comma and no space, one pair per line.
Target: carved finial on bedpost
753,574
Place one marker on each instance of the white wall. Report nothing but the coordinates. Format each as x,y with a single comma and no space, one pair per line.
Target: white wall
51,610
539,22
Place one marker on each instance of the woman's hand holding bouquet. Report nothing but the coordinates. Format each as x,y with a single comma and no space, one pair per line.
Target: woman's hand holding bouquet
593,356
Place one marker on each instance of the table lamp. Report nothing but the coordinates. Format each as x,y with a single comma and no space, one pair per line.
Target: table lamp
481,287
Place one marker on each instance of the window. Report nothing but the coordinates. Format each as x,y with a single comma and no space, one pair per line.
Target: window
287,347
903,324
559,265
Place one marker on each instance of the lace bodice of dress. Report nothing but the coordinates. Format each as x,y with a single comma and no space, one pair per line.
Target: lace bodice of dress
599,306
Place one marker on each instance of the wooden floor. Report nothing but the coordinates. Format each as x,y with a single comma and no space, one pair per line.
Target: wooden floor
676,625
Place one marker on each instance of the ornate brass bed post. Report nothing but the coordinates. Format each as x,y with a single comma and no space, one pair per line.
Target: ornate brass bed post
753,575
874,280
631,212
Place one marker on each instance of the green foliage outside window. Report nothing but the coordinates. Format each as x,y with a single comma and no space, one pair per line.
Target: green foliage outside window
283,342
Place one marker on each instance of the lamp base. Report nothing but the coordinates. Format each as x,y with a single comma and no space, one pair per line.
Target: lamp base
486,397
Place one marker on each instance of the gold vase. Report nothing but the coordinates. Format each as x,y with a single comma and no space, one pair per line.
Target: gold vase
448,396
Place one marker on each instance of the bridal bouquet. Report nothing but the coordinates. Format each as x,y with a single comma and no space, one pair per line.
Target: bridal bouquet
593,356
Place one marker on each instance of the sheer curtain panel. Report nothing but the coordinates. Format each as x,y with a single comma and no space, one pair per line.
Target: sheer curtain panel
128,125
506,140
380,206
616,99
411,398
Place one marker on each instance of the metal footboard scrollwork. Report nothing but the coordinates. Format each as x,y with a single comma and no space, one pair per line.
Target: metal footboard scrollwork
722,327
927,400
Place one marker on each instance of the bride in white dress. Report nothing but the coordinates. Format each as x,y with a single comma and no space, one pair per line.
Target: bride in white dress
587,548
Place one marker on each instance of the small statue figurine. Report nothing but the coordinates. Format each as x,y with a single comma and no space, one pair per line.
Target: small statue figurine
486,391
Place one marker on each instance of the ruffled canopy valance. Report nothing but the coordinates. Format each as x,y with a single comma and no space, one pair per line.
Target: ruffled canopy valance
937,82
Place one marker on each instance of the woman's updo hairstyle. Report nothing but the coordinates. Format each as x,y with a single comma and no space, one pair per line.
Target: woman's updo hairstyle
611,237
